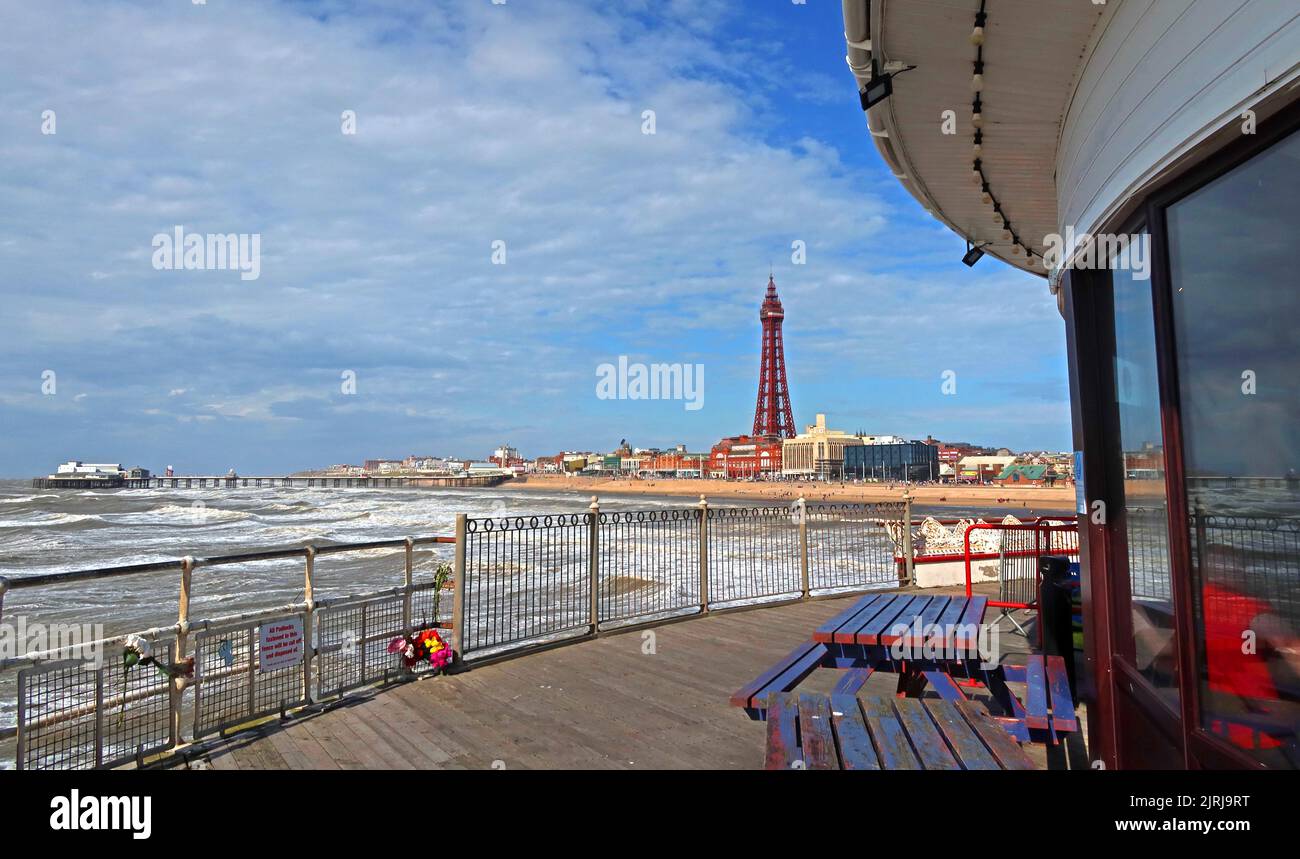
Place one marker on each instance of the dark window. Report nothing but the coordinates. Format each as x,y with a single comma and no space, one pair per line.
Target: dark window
1235,281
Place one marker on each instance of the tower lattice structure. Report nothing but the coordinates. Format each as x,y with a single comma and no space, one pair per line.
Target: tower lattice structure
772,415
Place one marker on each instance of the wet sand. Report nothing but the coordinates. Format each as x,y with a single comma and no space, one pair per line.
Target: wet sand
1038,497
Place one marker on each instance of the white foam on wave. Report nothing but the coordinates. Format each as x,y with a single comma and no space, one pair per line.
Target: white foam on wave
180,514
50,520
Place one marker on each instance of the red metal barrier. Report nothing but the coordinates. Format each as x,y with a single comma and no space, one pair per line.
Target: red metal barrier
1046,539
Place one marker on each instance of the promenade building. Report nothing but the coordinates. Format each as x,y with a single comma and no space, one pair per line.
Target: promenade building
743,457
982,469
901,460
817,452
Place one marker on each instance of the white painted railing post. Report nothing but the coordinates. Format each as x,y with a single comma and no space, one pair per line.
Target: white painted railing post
178,684
803,546
309,598
593,563
704,555
909,556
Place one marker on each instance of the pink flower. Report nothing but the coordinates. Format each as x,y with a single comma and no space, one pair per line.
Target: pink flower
396,645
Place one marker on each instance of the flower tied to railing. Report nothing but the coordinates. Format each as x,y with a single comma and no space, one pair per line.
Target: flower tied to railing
440,576
137,650
426,646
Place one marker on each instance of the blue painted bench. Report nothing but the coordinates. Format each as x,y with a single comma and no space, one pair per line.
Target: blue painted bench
781,677
1048,706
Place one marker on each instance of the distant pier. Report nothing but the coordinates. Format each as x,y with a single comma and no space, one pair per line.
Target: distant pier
240,482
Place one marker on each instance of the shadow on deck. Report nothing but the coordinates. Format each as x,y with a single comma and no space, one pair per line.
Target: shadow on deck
644,699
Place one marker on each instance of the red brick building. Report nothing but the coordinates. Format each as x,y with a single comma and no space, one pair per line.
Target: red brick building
745,456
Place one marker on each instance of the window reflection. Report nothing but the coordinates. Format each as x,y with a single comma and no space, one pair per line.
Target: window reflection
1143,470
1236,305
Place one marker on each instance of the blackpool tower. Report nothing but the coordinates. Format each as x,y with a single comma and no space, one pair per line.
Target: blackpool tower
772,415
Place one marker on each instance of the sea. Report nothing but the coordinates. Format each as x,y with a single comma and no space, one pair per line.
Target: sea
50,531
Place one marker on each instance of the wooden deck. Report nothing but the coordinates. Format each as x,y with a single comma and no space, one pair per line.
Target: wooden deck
601,704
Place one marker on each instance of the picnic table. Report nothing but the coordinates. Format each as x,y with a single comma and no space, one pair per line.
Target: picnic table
913,636
875,732
928,642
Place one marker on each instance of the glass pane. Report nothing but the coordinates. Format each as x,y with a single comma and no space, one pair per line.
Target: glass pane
1137,395
1236,308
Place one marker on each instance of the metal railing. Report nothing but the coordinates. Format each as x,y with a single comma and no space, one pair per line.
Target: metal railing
79,706
534,580
517,583
1020,547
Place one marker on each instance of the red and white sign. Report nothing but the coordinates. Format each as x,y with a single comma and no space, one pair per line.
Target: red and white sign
281,644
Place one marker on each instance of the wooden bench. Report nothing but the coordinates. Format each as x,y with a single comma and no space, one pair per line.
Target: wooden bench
781,677
1048,705
876,732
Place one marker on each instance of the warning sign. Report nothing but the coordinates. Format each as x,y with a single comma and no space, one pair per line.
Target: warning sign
281,644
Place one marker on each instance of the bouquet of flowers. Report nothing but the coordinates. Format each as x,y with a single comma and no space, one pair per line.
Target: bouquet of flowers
427,646
138,651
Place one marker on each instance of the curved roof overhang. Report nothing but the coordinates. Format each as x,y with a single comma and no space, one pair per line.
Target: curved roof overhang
1033,51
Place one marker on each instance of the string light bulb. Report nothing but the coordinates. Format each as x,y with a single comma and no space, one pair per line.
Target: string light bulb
977,82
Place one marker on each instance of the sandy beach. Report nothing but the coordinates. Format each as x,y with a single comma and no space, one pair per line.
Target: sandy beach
1034,497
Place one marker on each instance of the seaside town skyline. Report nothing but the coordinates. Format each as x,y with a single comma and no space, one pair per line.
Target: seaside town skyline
773,450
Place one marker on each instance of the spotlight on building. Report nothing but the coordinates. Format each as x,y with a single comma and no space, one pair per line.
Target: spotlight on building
974,253
879,88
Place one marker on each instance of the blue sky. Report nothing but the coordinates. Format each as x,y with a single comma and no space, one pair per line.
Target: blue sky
475,123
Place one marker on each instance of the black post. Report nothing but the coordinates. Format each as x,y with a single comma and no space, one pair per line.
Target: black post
1055,612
